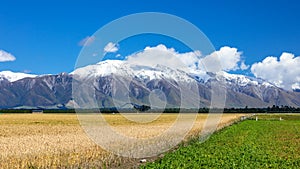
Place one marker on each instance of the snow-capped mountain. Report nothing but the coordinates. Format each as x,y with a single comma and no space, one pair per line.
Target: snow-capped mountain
125,69
107,79
12,76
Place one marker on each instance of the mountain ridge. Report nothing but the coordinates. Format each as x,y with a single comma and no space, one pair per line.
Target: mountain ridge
55,91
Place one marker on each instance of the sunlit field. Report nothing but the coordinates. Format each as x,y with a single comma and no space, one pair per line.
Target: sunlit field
58,141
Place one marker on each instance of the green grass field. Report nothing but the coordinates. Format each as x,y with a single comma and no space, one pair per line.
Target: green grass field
266,143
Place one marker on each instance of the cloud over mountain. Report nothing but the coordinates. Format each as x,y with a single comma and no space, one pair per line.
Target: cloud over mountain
5,56
226,59
111,48
160,54
283,72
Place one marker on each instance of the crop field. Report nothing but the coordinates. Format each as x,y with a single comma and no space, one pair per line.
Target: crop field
266,143
58,141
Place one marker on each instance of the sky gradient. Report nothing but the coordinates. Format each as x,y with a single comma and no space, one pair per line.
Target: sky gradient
44,36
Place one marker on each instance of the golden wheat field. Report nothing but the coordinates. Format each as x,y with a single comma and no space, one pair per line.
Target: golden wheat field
58,141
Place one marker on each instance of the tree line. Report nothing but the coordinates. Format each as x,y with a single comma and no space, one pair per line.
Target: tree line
273,109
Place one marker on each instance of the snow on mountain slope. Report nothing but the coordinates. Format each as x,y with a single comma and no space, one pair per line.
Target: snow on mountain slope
161,72
12,76
147,73
104,68
242,80
125,69
241,90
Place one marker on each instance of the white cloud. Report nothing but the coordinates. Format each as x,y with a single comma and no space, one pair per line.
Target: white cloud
226,59
110,48
283,72
87,41
151,56
5,56
243,66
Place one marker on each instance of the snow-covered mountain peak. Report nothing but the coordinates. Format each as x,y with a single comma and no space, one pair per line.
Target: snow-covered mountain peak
147,73
111,62
102,69
239,79
243,80
13,76
161,72
128,69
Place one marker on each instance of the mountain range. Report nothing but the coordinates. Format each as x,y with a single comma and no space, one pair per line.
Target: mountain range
114,83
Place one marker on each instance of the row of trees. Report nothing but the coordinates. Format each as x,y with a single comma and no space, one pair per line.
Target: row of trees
273,109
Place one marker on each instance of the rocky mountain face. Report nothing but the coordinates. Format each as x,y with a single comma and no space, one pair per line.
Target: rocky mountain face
40,91
116,83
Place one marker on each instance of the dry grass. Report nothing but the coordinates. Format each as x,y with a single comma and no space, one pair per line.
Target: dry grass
58,141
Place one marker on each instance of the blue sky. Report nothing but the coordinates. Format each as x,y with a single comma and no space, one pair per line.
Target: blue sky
44,35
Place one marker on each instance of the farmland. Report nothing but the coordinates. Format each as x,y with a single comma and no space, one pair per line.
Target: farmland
266,143
58,141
